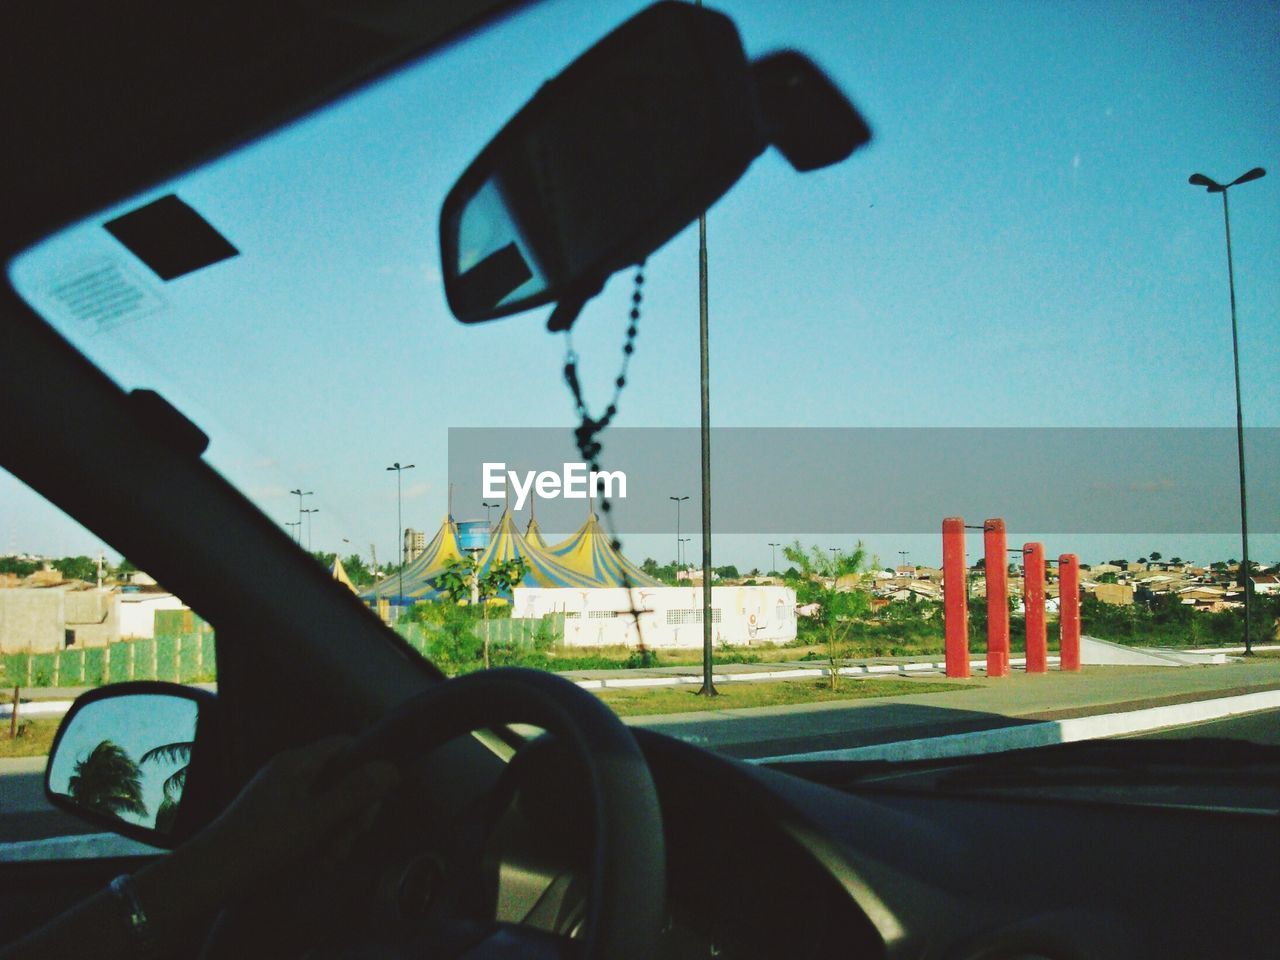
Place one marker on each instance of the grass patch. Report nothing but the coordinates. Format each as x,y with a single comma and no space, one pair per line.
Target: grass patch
636,701
34,740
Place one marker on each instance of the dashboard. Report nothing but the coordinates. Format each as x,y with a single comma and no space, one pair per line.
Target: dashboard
763,864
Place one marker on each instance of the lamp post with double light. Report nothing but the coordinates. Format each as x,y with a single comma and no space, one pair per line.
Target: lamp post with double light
399,469
1212,186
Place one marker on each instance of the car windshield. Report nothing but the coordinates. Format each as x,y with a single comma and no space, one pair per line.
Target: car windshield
1010,306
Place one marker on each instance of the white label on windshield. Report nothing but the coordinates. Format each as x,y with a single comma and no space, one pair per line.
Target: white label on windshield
101,294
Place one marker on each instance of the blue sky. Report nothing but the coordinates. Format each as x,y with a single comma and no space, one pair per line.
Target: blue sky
1018,247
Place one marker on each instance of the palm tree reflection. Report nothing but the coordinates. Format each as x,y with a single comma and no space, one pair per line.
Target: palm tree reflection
108,781
179,752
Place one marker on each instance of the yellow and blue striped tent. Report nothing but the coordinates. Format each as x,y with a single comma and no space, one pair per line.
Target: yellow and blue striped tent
590,552
533,534
543,569
421,570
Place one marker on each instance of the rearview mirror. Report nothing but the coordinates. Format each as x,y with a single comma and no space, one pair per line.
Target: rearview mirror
617,154
123,759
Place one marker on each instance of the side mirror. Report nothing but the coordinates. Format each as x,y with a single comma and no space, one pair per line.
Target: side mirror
127,755
617,154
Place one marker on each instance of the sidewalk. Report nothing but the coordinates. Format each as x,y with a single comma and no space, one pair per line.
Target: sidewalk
986,704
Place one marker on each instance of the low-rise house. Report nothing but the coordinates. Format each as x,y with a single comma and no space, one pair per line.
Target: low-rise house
1120,594
1266,583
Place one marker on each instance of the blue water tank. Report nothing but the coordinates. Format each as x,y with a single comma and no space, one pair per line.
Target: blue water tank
473,535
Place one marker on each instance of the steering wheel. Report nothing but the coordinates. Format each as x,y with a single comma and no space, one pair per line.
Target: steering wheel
628,864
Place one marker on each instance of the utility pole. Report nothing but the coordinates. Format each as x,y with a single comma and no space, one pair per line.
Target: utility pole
300,494
678,501
708,688
1246,581
400,523
309,512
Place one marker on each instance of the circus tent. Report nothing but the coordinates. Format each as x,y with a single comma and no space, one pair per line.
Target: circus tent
585,560
590,552
533,534
543,569
339,573
419,573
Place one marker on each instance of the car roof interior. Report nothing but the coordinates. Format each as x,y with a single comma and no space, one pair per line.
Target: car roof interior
143,89
140,91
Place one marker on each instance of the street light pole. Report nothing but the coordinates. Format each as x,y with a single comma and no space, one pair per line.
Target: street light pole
774,568
678,501
488,519
309,511
400,522
1200,180
301,493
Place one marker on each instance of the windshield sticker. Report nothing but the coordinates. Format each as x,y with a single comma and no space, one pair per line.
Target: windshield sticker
102,294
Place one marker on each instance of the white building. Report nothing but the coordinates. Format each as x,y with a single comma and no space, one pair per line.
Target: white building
667,616
137,612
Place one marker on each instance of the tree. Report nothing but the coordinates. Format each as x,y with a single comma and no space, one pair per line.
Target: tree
108,781
454,582
77,568
1155,556
729,572
357,572
21,568
178,752
664,572
817,581
461,582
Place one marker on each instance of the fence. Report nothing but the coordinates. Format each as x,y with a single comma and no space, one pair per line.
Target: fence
182,658
520,634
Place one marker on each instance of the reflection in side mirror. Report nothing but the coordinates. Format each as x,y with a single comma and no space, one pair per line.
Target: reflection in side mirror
122,755
617,154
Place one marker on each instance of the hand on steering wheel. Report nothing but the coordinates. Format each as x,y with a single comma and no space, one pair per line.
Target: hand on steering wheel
336,778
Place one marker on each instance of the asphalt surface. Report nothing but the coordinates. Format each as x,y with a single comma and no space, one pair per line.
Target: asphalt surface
766,731
1263,727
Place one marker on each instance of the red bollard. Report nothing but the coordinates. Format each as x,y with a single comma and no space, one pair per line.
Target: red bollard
996,562
955,597
1069,612
1033,602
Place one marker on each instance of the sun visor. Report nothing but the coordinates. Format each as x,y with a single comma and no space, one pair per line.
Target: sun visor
170,238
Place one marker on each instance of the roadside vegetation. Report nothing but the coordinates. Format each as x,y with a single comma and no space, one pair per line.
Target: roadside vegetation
630,702
34,737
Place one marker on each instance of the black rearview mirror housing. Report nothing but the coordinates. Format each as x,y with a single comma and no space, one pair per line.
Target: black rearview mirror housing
617,154
136,759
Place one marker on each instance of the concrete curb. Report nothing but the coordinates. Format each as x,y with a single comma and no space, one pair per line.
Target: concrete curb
813,673
39,708
1048,732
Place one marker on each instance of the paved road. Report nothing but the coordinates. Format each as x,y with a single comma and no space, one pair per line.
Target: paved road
24,812
1262,727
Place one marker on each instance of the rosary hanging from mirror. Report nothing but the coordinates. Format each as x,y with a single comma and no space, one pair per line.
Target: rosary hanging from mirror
587,433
